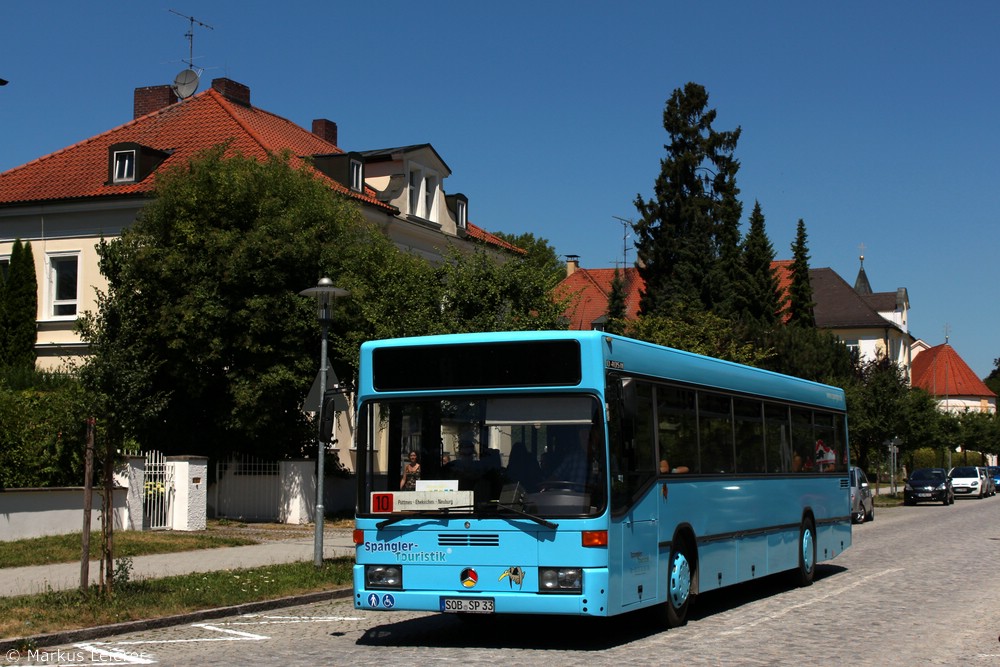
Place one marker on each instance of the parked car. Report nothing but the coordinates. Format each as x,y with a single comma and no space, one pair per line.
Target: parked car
862,503
928,485
967,482
995,474
988,484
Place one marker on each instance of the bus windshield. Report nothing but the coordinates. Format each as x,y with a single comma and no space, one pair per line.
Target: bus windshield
541,454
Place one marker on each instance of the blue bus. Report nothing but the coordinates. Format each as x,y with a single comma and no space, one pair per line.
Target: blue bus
577,472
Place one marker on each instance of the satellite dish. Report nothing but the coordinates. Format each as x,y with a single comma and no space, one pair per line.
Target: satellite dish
185,84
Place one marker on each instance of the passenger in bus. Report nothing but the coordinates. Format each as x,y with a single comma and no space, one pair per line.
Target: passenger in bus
665,468
411,473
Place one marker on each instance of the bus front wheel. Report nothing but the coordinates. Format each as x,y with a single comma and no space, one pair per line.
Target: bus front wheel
807,553
679,581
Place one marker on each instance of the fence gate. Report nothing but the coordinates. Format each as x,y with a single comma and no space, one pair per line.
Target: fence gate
157,492
248,489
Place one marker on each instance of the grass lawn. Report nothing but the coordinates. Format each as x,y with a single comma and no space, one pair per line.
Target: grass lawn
27,615
128,543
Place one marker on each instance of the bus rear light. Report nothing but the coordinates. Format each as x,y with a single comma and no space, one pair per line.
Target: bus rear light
595,538
359,536
560,580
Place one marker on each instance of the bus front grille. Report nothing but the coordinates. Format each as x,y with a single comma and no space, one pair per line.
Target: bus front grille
468,540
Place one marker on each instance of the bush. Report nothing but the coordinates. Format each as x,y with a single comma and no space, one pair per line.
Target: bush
44,430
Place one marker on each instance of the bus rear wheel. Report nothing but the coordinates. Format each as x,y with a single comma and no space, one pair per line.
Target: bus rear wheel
807,553
679,580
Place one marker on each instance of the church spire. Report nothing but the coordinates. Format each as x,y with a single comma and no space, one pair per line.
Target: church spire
861,284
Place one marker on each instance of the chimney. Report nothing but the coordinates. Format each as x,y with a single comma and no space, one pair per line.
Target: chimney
572,264
325,129
152,98
232,91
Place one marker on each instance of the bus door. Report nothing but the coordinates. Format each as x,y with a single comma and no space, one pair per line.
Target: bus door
639,551
634,496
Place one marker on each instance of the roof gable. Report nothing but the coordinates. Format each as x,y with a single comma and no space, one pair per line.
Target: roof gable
591,289
181,130
941,372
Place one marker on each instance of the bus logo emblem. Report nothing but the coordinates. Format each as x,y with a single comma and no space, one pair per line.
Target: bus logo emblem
514,575
469,578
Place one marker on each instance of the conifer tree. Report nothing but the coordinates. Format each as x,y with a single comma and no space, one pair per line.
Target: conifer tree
800,293
758,297
20,309
616,305
692,220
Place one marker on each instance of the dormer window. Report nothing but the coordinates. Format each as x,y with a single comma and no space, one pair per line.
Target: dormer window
124,166
423,192
129,162
458,207
357,176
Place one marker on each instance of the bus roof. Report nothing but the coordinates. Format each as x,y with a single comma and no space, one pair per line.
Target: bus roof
640,358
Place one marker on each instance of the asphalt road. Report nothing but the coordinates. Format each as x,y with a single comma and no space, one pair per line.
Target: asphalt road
918,587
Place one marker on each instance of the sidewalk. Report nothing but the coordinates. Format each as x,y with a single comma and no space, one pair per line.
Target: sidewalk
62,576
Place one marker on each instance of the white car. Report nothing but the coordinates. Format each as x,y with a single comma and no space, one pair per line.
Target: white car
967,482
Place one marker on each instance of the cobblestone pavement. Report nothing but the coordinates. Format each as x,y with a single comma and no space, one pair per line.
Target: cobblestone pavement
918,587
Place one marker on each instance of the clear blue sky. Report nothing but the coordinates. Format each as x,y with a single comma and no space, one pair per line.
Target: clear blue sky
876,123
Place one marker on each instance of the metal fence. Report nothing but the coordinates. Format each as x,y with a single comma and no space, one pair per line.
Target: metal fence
247,488
157,492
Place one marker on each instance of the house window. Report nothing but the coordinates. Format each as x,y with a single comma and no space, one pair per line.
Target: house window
423,192
357,176
64,272
430,197
416,183
461,214
124,166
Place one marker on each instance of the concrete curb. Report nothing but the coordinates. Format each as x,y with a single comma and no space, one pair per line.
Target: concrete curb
85,634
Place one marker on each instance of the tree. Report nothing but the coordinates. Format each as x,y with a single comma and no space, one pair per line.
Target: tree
875,405
617,315
541,256
800,294
758,298
700,332
19,309
481,294
691,220
993,379
807,353
202,343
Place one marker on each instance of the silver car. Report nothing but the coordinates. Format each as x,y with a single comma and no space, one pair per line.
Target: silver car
862,503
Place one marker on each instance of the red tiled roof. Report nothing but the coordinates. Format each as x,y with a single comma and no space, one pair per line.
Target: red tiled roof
182,129
591,289
941,372
481,234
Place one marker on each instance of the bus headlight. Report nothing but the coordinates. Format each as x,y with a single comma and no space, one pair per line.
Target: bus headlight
560,580
384,576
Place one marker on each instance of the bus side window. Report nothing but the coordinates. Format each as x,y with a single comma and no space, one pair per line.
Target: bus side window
776,438
716,429
803,442
677,429
749,435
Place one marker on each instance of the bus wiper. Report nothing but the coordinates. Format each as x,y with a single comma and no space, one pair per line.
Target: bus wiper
527,515
421,512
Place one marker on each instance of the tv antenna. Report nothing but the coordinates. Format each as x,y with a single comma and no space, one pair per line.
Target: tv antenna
186,82
626,223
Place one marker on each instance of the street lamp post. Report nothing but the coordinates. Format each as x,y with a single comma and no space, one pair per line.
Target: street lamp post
324,293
